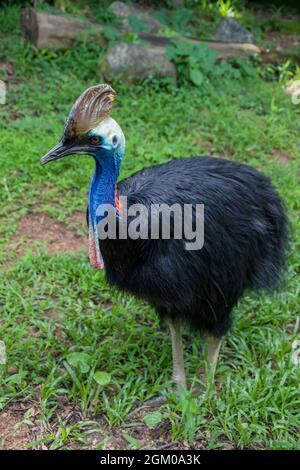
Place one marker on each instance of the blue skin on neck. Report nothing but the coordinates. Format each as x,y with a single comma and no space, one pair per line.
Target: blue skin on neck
103,182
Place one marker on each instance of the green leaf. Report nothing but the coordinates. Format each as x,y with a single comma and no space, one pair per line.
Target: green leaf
138,25
196,76
111,33
179,18
80,360
132,441
153,418
171,51
102,378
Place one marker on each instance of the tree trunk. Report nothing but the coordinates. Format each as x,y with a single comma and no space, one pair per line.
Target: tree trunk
51,31
225,50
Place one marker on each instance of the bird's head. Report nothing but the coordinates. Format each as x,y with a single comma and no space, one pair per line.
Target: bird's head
90,129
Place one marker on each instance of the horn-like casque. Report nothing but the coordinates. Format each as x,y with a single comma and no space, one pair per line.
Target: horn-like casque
92,107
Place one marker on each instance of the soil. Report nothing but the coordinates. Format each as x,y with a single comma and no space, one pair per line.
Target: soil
13,433
57,236
280,157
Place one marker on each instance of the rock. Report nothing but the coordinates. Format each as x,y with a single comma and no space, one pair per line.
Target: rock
230,30
49,31
123,11
293,89
134,62
120,9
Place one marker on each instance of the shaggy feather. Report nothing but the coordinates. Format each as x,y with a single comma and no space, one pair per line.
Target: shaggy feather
244,247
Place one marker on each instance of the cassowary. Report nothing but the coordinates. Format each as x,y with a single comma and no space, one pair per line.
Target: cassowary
245,228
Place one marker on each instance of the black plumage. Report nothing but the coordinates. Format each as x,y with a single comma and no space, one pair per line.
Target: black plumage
245,238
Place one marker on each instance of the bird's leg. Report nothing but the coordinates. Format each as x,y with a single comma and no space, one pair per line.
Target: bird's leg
177,351
213,349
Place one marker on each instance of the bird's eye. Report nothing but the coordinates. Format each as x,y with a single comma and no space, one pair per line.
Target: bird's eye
95,139
115,140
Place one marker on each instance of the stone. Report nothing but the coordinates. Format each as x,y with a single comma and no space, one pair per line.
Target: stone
230,30
46,30
134,62
293,89
120,9
123,11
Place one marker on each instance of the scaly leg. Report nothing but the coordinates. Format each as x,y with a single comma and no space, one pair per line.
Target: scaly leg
213,349
177,351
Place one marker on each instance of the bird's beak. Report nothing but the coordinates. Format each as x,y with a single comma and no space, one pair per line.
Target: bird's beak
60,151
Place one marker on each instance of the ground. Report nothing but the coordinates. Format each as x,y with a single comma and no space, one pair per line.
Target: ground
60,322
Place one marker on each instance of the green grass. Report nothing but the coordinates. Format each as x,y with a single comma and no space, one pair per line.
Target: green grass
248,120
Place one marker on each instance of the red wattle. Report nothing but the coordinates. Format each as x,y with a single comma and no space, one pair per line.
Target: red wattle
95,260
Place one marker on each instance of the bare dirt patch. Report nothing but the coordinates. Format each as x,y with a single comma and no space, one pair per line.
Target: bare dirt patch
55,235
38,435
280,157
13,433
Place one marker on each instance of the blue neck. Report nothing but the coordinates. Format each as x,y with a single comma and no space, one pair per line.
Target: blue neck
103,183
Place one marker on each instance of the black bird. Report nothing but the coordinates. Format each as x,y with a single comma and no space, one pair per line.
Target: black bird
245,227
